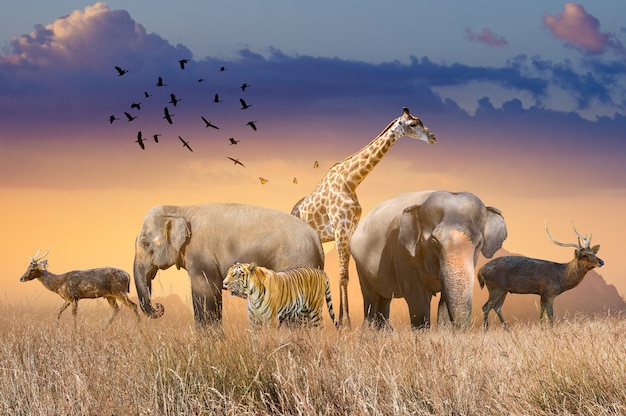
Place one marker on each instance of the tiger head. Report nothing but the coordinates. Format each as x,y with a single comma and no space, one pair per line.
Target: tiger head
237,280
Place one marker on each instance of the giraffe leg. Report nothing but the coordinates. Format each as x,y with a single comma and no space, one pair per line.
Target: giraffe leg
343,250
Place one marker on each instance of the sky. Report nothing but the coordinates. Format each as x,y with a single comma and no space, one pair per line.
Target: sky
527,100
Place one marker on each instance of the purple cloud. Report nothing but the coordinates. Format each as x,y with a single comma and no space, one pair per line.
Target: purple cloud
581,30
486,37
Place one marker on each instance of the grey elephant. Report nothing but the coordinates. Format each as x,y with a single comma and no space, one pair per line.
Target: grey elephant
419,243
207,239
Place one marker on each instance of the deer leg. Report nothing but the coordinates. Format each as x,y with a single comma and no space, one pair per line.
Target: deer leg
74,310
126,301
549,309
497,307
62,308
114,306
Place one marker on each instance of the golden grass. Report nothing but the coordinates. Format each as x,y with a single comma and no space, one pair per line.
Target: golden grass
576,367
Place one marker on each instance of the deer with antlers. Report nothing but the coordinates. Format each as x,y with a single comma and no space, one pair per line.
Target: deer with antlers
105,282
518,274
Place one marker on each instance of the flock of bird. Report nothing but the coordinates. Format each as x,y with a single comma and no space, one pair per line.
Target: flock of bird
174,100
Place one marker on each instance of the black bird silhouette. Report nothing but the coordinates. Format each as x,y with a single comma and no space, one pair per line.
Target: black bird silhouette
112,118
174,100
237,162
222,68
146,94
160,82
167,115
129,117
216,99
244,86
233,141
140,140
156,137
243,104
136,105
120,71
182,63
251,124
208,123
201,80
185,144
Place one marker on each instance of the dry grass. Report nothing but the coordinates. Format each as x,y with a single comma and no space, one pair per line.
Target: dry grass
576,367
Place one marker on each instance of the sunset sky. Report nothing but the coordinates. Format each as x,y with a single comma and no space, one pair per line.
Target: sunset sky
527,100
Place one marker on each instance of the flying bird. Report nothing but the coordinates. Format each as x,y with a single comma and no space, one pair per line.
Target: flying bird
182,63
243,104
208,123
146,94
129,117
120,71
233,141
140,140
295,180
167,115
244,86
263,180
216,99
201,80
251,124
156,137
174,100
136,105
222,68
237,162
185,144
316,165
112,118
160,82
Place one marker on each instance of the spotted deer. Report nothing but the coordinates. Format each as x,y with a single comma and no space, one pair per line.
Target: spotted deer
105,282
518,274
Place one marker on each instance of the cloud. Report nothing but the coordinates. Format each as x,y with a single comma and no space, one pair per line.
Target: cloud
581,30
486,37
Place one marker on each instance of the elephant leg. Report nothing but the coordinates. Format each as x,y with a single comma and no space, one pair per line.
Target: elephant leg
419,308
207,299
443,316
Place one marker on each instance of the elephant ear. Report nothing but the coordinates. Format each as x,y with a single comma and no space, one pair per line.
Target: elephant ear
408,230
494,233
176,232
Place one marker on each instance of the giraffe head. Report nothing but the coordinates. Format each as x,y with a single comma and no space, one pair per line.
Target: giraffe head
411,126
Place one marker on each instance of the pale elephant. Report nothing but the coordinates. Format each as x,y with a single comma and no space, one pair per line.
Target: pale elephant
419,243
206,240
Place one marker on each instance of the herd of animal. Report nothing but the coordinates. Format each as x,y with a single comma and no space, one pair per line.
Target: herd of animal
412,246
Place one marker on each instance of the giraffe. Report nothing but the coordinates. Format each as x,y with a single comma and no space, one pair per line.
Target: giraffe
333,208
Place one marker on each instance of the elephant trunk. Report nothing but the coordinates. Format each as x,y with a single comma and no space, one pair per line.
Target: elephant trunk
143,276
457,276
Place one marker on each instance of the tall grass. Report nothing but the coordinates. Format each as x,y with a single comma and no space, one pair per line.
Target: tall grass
169,367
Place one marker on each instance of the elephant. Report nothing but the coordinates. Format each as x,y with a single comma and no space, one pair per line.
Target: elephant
419,243
207,239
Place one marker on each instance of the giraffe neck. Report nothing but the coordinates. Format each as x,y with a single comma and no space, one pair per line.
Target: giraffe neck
356,167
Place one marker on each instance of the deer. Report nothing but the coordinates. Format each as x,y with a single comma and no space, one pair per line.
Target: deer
104,282
524,275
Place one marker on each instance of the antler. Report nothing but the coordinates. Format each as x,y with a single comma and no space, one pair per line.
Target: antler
35,259
561,244
585,240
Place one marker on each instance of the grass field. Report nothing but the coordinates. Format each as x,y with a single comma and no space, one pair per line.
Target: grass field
169,367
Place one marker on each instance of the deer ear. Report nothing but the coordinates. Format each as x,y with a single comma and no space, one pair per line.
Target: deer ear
44,264
595,249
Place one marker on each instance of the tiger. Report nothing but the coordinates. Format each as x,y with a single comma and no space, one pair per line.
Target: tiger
294,295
